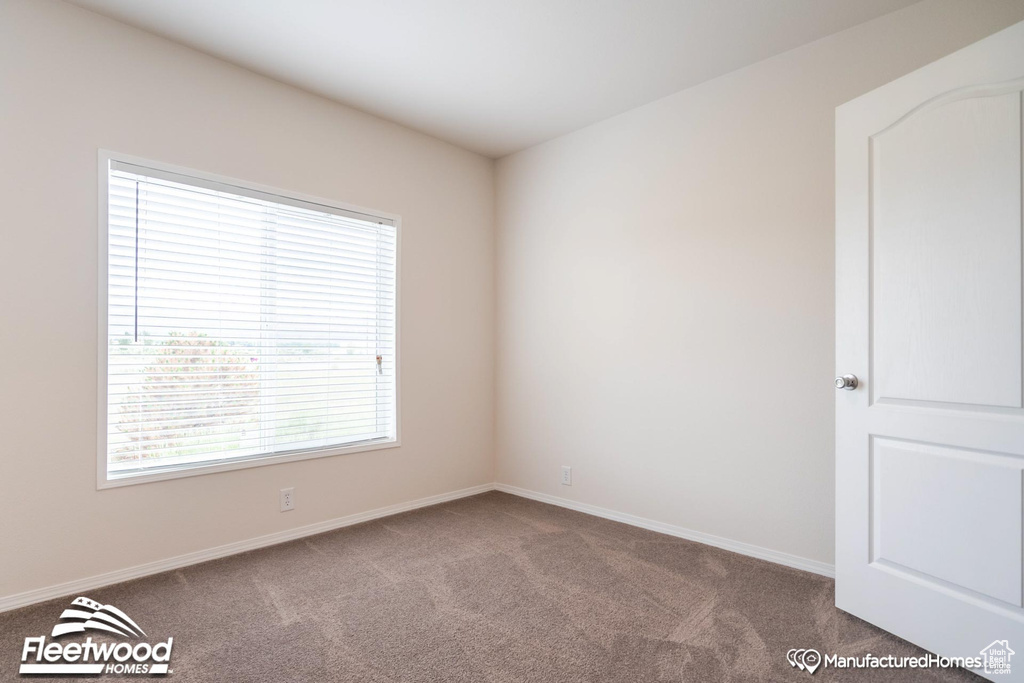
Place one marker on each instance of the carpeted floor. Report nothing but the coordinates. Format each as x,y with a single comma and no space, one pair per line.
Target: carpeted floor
492,588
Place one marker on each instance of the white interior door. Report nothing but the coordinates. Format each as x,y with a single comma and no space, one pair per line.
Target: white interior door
930,444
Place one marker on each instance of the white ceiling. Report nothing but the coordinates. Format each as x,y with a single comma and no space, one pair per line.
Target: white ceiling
494,76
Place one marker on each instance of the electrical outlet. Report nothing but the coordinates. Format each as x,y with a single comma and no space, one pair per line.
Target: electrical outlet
566,475
287,500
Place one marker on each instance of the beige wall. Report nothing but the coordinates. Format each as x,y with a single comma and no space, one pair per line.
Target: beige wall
72,82
665,291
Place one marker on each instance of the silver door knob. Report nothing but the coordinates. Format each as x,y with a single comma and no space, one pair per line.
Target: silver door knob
848,382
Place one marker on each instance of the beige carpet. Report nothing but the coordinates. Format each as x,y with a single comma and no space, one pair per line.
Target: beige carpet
490,588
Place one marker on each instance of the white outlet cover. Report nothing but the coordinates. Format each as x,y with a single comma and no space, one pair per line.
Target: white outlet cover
287,499
566,475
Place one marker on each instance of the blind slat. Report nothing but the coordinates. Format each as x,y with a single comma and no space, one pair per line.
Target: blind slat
171,425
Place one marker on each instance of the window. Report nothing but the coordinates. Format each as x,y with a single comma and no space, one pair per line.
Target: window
242,326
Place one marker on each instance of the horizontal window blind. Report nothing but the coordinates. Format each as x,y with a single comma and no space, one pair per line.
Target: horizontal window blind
242,324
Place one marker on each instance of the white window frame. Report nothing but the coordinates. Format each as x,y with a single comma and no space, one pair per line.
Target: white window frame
103,481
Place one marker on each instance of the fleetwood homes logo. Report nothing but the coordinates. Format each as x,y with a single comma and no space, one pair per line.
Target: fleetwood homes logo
94,658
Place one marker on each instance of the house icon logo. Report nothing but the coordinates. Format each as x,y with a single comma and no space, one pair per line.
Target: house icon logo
997,657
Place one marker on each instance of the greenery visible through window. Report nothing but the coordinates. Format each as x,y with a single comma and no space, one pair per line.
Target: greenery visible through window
197,388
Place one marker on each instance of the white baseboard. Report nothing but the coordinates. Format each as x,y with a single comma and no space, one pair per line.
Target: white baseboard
795,561
93,582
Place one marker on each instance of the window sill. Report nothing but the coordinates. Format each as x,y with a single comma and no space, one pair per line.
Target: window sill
105,481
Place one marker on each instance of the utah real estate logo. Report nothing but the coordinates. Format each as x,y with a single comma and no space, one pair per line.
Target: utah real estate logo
39,657
997,657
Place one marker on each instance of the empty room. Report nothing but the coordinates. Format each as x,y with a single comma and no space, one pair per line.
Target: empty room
529,341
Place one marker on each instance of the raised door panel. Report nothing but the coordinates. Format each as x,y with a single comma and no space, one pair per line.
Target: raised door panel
945,211
949,516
